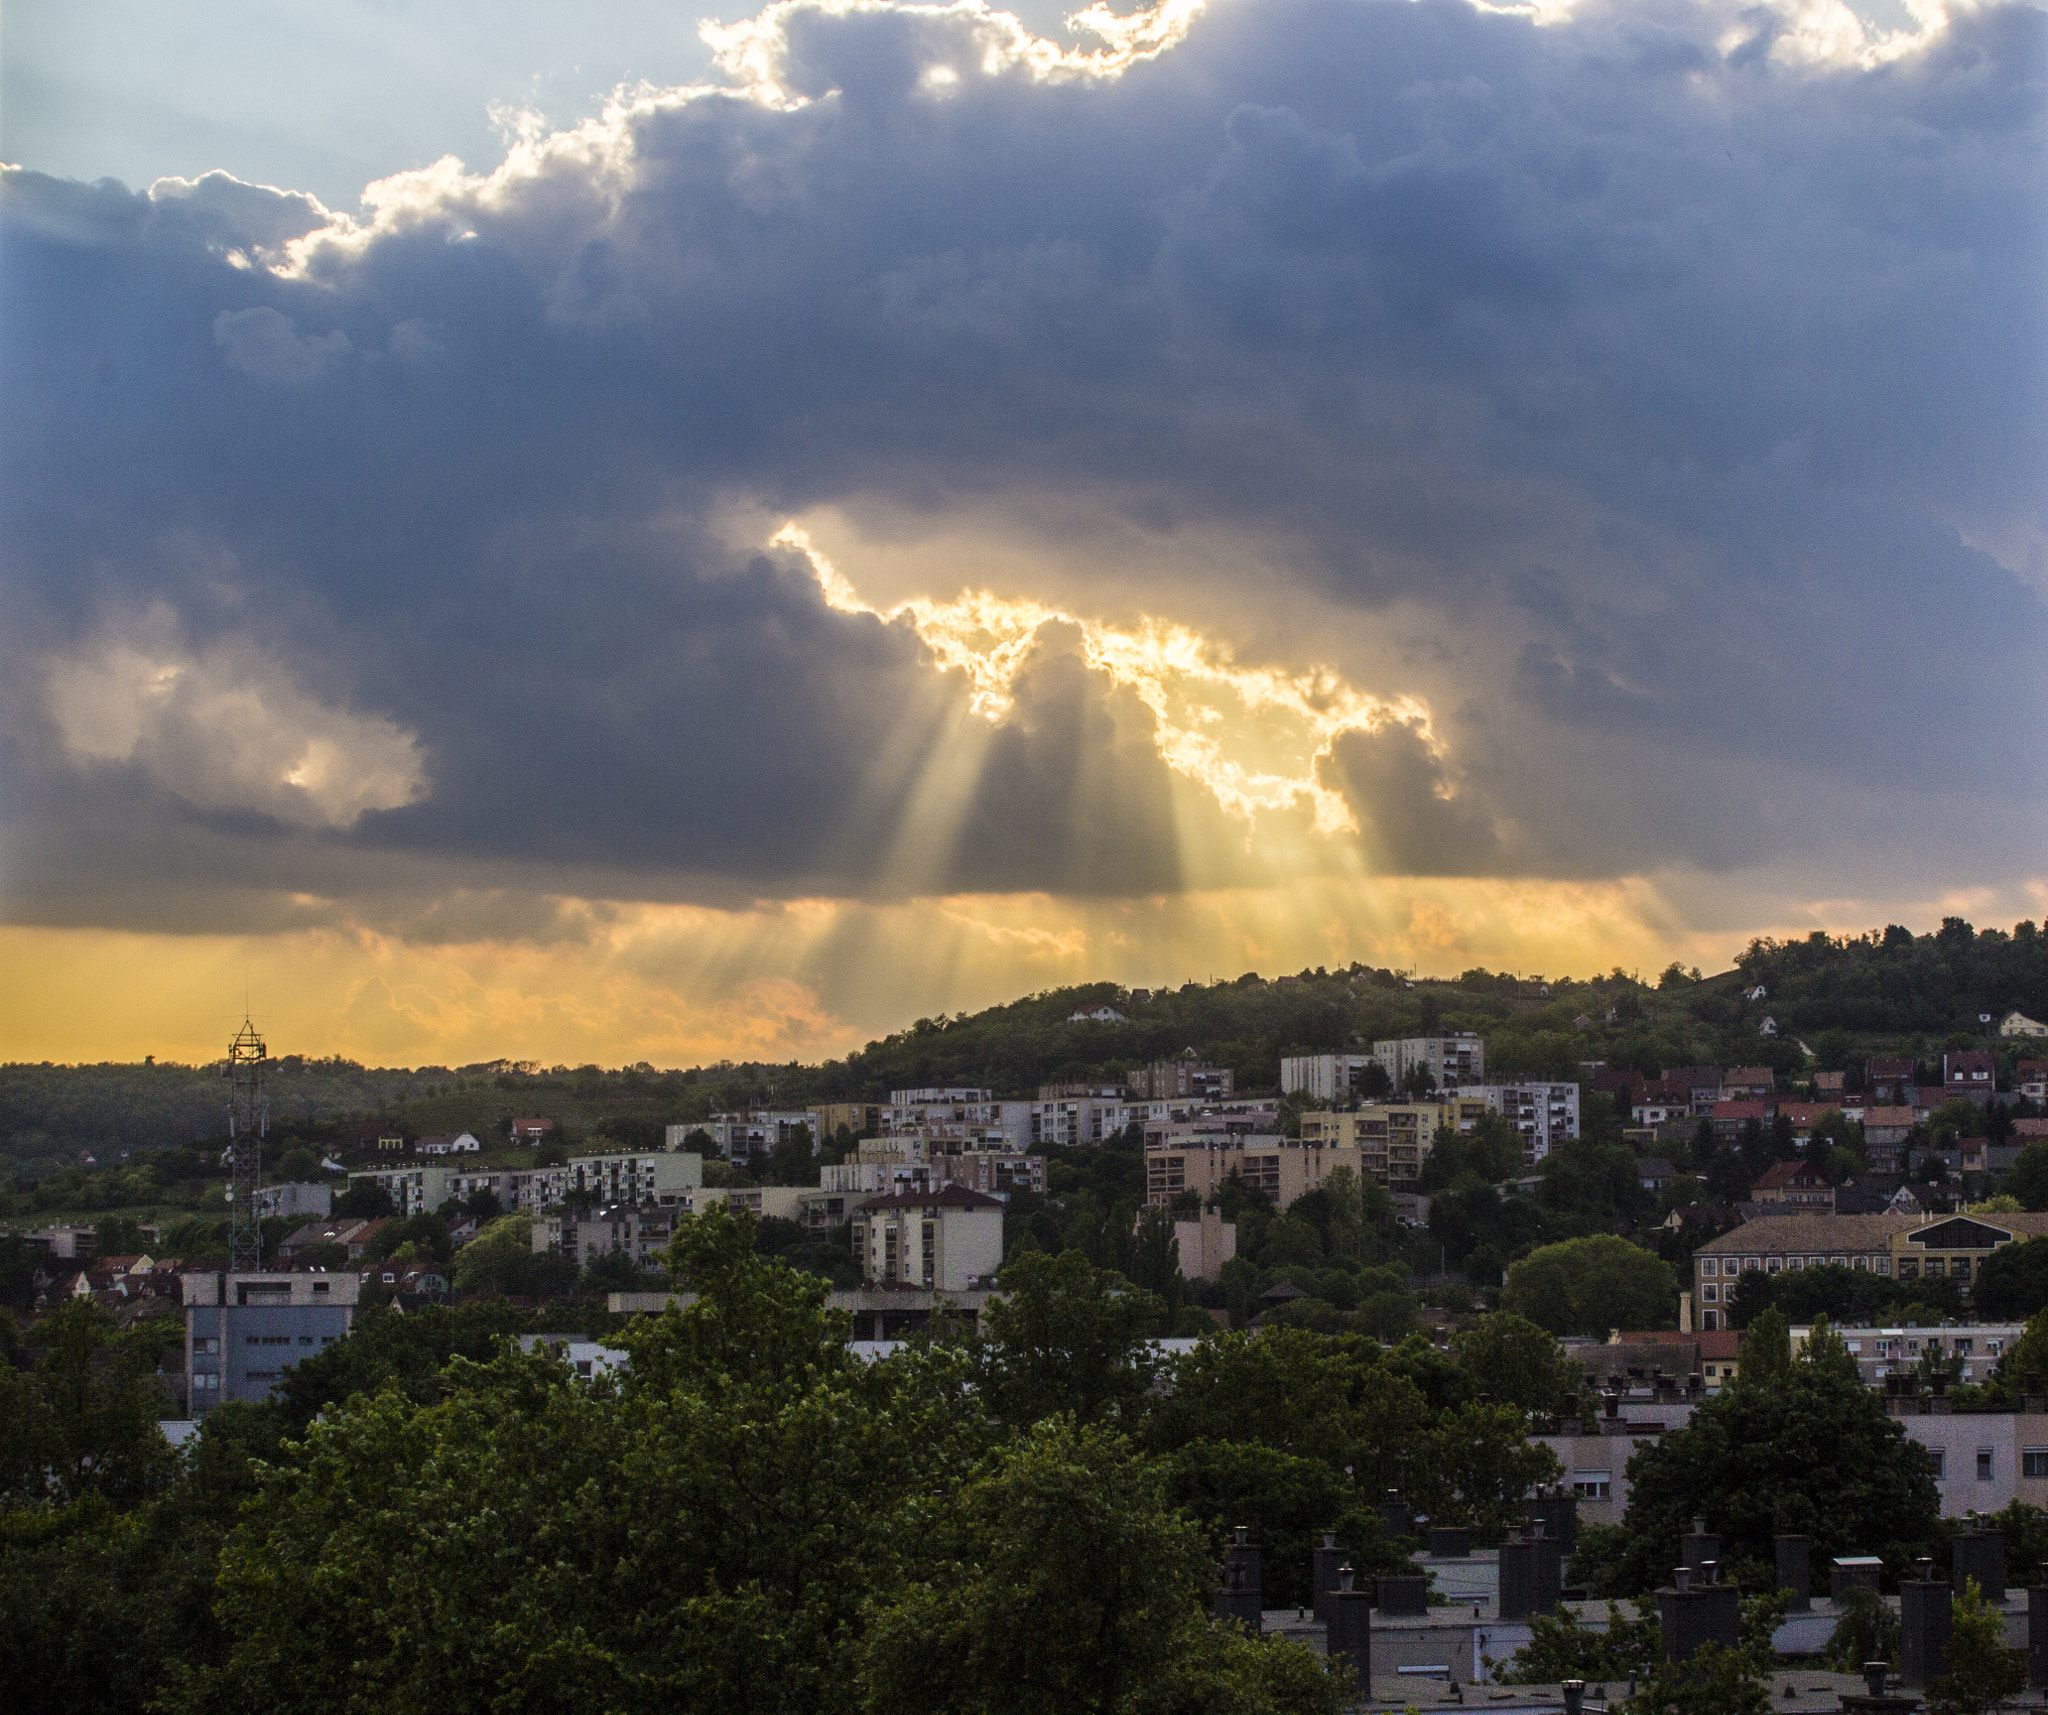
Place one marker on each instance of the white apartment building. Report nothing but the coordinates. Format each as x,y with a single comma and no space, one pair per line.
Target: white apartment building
1880,1352
948,1240
656,1177
744,1137
422,1189
958,1115
1545,1115
1453,1061
1323,1077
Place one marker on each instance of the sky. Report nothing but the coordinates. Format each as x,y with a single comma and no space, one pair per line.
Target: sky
602,533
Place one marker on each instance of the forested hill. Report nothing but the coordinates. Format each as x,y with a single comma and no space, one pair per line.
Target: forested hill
1889,992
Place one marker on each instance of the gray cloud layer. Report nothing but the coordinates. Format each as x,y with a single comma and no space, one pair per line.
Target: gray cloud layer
1674,379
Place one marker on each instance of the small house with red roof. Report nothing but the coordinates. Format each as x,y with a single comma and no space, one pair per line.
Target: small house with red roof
1797,1182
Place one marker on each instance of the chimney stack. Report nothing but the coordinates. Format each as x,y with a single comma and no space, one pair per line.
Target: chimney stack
1407,1598
1694,1610
1350,1631
1795,1571
1394,1515
1326,1562
1980,1554
1925,1610
1531,1577
1239,1598
1700,1545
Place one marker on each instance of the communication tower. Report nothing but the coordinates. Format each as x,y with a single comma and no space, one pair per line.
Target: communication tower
248,1121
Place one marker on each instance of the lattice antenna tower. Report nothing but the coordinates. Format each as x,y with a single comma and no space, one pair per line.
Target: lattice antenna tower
248,1121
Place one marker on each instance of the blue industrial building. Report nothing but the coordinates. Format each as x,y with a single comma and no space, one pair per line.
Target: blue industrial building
243,1331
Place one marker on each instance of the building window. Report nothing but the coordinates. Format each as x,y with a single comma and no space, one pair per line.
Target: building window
2034,1462
1940,1462
1710,1294
1713,1320
1983,1464
1710,1266
1594,1485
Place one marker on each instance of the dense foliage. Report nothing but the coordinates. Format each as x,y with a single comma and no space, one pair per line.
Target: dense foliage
748,1516
1799,1446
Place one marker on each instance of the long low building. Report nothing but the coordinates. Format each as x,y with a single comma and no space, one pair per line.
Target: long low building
651,1176
1900,1245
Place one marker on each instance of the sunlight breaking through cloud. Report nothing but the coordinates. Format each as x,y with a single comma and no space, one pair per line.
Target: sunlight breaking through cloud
1252,736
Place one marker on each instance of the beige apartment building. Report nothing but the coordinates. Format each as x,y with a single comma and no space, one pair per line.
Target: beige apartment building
1279,1166
1392,1138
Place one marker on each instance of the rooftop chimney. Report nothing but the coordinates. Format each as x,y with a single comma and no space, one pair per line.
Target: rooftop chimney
1925,1610
1795,1571
1350,1631
1695,1611
1394,1515
1239,1598
1980,1554
1325,1564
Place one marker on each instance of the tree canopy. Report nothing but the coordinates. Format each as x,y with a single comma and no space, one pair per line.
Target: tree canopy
1798,1446
1592,1285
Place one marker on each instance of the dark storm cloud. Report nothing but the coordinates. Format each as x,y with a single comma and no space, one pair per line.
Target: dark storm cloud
1676,381
1413,820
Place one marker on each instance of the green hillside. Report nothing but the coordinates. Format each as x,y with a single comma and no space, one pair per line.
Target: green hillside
1833,1000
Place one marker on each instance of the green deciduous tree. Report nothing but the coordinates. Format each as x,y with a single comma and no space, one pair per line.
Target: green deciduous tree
1811,1452
2013,1283
84,1420
1982,1671
1561,1648
1060,1582
1867,1631
1067,1337
1592,1285
1477,1467
2027,1178
1517,1363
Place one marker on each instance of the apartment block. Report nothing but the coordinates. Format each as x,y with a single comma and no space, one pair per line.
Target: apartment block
657,1177
642,1232
243,1331
949,1240
425,1188
1975,1347
1543,1115
1280,1167
1184,1079
860,1119
1393,1139
747,1137
1324,1077
1453,1061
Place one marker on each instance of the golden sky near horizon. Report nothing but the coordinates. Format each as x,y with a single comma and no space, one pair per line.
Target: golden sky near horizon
905,511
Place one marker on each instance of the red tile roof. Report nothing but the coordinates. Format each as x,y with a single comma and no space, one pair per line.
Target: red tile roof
1783,1173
